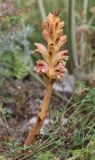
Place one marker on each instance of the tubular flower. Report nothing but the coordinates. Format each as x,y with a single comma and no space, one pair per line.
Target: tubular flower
62,41
54,58
41,67
43,51
60,70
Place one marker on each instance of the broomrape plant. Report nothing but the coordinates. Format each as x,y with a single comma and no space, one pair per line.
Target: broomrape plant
52,67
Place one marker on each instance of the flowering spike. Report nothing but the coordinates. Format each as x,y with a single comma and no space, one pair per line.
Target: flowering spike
52,56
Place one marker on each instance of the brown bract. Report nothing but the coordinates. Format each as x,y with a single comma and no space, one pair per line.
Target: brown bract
54,58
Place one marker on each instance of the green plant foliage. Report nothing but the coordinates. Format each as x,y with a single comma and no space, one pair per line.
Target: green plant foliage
44,156
15,53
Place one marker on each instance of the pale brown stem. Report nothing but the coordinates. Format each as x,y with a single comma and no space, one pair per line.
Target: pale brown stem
34,132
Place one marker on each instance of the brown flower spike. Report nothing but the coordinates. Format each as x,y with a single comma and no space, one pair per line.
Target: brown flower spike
52,67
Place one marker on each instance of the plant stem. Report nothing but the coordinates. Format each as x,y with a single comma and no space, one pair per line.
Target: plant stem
85,9
42,9
56,93
72,31
83,38
34,132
